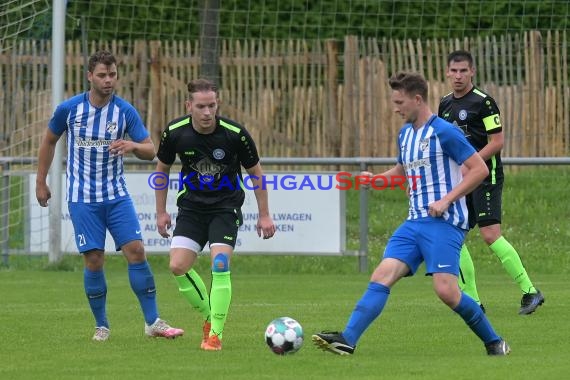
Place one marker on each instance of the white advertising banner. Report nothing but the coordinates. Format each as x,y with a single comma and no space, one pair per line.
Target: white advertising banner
308,211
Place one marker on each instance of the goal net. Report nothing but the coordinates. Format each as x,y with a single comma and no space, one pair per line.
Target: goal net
24,109
307,78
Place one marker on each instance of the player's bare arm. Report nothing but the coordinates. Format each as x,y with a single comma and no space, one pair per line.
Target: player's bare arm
163,220
475,172
265,225
45,158
494,146
397,171
143,150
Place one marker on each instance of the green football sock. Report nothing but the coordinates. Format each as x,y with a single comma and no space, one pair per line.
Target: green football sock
512,264
220,297
467,276
193,289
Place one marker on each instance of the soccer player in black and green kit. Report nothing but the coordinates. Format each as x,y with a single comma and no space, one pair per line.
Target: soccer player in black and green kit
212,150
477,114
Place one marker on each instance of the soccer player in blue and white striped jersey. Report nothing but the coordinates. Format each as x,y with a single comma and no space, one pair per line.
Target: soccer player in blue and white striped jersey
97,123
434,150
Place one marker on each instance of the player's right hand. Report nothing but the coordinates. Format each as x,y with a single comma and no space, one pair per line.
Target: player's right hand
43,194
163,223
364,175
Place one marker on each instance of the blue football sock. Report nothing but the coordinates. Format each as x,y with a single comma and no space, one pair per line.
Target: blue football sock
96,292
366,311
477,321
142,283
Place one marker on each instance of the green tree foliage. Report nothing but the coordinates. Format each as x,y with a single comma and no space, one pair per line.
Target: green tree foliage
313,19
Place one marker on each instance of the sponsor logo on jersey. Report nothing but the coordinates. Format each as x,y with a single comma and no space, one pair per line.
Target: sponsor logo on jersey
414,165
89,143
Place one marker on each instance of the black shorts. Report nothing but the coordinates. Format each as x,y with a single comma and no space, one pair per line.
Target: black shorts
484,204
220,226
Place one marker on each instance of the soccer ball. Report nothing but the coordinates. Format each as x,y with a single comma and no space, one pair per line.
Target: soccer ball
284,336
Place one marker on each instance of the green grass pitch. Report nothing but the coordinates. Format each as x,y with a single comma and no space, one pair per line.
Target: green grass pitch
46,325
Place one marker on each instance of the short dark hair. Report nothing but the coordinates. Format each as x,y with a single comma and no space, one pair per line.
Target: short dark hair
410,83
460,56
201,84
101,56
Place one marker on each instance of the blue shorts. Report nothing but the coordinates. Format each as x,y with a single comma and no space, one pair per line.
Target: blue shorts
432,240
91,221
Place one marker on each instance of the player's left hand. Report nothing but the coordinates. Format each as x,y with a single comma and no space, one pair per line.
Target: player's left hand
120,147
265,227
438,208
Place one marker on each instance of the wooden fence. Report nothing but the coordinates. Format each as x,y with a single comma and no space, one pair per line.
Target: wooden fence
305,98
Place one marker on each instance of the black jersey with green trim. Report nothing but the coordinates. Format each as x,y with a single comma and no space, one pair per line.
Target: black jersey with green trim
211,175
478,116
